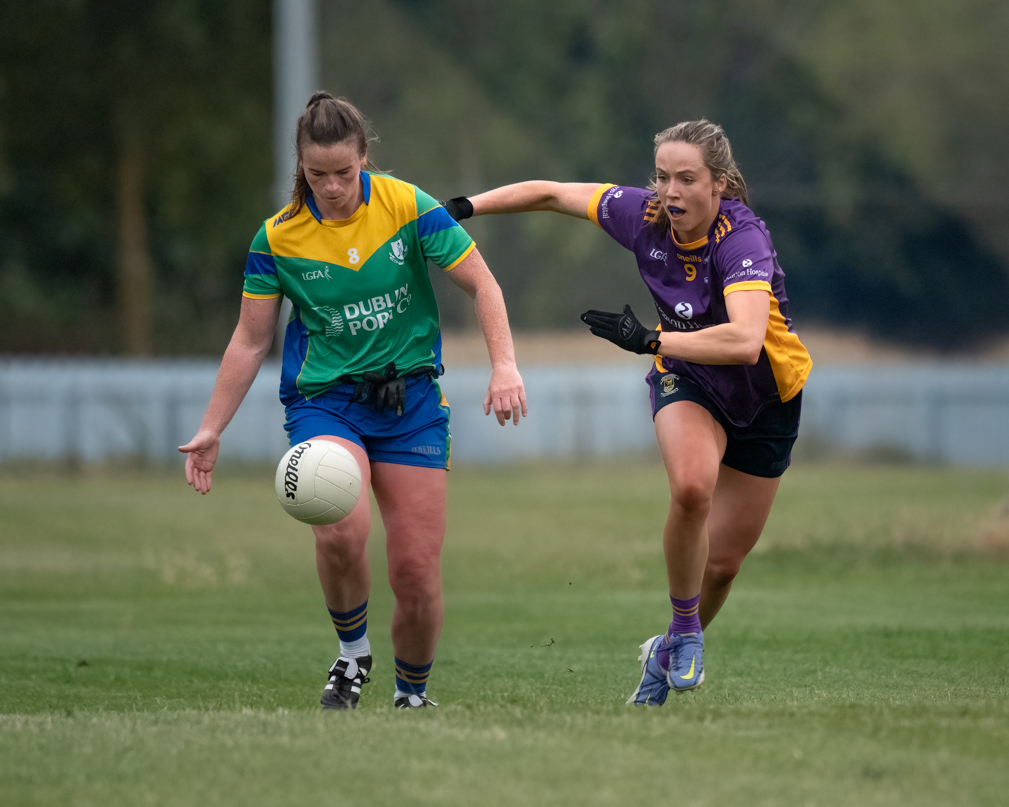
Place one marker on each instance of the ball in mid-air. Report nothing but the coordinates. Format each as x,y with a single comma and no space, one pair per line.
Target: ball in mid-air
318,482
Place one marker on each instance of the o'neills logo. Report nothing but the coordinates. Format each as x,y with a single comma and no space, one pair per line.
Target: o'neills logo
291,473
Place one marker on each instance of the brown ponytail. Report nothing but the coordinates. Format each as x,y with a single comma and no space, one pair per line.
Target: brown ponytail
716,153
328,120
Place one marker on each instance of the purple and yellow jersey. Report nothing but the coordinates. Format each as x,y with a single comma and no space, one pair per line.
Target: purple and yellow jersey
360,289
689,283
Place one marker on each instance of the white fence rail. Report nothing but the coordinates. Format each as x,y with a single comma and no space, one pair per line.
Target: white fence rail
92,410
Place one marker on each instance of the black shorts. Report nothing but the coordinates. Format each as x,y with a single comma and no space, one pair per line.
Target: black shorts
764,448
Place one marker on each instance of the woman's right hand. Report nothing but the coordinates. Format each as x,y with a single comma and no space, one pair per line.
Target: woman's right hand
201,457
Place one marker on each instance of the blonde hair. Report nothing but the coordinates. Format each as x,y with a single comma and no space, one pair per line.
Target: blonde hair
326,121
716,152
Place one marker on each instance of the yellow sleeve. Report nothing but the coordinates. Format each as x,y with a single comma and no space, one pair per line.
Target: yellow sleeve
593,208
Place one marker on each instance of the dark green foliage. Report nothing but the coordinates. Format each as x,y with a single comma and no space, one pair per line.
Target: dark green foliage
872,231
188,83
863,246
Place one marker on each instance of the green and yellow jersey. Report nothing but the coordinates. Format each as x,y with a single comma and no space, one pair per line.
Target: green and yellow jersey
360,289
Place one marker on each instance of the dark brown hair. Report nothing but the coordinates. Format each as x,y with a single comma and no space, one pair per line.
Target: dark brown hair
716,152
326,121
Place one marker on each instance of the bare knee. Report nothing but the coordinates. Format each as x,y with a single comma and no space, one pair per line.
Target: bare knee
341,543
415,579
721,571
692,498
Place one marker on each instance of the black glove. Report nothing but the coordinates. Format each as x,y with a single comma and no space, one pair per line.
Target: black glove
623,330
382,390
458,208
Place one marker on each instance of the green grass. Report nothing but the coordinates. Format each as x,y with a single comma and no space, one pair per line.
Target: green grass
157,647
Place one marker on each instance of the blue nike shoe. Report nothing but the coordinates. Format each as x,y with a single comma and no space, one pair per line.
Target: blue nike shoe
653,687
686,665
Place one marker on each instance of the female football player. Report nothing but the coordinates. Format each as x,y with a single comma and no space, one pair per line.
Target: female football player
728,374
361,356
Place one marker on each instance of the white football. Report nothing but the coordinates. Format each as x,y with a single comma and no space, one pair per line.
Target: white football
318,482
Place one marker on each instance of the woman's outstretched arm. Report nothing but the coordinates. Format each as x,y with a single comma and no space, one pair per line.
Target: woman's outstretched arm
570,198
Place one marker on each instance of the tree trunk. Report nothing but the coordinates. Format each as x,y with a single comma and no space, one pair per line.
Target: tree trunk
136,274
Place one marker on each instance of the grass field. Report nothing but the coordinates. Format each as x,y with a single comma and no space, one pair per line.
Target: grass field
161,648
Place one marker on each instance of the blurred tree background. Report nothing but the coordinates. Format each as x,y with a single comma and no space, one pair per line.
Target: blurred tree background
136,156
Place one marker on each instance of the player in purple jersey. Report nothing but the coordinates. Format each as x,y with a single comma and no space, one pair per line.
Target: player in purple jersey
726,386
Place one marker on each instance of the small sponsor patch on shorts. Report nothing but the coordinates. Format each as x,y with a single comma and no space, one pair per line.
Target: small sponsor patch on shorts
433,450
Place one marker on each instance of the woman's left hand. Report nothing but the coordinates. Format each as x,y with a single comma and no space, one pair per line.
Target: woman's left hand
624,330
506,395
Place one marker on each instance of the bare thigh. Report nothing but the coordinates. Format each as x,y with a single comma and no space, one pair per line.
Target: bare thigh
412,503
739,509
692,444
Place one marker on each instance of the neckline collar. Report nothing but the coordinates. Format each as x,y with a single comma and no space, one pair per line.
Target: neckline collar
313,208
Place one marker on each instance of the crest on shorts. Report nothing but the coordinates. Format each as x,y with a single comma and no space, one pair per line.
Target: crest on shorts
669,384
398,254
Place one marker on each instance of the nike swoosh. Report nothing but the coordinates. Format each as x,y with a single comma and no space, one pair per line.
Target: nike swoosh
690,674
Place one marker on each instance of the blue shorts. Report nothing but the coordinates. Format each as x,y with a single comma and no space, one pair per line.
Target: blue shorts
420,436
763,448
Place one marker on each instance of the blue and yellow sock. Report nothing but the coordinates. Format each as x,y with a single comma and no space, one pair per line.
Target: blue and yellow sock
411,679
685,616
352,628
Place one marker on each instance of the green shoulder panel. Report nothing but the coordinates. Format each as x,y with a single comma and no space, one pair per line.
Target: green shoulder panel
261,243
425,202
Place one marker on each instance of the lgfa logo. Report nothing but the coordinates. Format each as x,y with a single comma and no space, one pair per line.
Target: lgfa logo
317,274
398,254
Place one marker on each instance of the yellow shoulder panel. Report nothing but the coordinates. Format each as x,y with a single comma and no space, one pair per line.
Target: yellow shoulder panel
396,196
351,242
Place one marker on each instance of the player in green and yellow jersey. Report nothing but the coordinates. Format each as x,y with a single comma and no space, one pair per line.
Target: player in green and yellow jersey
361,357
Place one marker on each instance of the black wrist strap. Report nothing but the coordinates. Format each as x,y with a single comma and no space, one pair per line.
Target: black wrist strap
459,208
